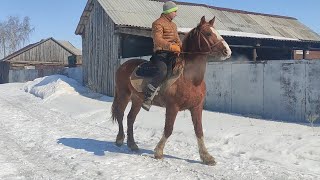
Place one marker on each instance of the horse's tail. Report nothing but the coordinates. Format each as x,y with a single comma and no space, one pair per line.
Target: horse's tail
114,109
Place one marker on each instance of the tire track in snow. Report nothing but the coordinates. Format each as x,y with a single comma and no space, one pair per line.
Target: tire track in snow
38,161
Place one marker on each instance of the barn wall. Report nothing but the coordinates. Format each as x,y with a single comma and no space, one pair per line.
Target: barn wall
313,55
309,55
4,72
49,51
279,90
100,51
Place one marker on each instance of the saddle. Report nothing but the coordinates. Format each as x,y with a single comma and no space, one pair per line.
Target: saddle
142,75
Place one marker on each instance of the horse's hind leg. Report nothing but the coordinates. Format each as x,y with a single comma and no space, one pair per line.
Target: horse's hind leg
119,105
135,108
171,114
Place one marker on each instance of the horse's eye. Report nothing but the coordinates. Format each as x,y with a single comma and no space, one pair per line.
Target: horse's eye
208,34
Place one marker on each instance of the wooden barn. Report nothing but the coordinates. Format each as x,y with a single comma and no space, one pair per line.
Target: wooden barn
39,59
115,30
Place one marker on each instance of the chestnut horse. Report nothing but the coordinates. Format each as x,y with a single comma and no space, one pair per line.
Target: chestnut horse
187,92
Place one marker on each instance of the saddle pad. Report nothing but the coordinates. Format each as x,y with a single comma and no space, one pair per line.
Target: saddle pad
139,82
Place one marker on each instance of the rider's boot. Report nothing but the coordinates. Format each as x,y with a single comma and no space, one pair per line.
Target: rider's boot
149,95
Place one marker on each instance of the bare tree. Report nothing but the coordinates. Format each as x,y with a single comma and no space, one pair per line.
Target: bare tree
2,39
14,34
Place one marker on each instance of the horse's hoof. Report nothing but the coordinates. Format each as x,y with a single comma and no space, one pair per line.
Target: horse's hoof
133,147
157,156
210,163
158,153
118,143
119,140
209,160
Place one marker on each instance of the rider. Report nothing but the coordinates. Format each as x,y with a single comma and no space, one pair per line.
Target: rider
167,46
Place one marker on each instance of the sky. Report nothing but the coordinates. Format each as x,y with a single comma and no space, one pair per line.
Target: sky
55,128
59,18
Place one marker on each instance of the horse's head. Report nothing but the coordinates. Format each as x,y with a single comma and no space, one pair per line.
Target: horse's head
205,39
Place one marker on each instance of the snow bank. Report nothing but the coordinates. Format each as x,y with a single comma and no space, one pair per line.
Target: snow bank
52,86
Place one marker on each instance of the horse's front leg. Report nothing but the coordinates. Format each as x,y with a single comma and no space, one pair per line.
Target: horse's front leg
135,108
196,114
171,114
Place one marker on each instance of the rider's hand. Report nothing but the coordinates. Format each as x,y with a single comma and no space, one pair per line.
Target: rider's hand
175,48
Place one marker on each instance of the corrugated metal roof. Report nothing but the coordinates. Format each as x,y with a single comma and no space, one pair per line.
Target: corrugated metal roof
70,47
245,34
141,13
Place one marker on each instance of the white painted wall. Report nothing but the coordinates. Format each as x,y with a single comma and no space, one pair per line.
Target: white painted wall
280,90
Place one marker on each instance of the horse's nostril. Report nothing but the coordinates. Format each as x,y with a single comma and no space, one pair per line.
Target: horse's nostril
225,52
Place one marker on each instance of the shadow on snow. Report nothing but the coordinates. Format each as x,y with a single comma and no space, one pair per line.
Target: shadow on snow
99,148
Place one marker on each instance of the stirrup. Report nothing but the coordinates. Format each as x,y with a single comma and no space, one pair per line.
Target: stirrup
151,87
146,105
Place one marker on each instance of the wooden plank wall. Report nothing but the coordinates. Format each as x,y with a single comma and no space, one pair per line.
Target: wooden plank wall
100,51
49,51
4,72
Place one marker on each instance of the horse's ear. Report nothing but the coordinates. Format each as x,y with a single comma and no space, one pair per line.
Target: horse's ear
203,20
211,22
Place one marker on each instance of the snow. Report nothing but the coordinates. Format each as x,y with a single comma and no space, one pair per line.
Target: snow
54,128
53,86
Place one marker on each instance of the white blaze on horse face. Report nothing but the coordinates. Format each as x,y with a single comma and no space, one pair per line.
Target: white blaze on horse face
225,44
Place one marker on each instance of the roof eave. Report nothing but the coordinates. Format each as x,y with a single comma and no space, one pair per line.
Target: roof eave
84,18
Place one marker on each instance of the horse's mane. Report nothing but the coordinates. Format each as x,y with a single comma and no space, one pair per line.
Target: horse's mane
189,39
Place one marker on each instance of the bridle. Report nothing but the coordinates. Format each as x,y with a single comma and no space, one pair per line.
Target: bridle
210,47
208,44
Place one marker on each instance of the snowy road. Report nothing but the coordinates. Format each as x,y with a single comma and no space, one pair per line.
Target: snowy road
70,136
